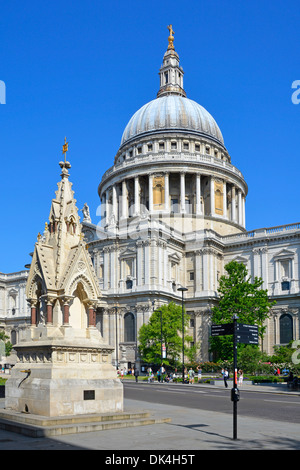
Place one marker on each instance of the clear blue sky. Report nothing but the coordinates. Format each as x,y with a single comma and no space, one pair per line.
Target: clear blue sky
81,69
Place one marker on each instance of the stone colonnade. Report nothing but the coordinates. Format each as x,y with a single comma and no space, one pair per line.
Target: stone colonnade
193,194
36,306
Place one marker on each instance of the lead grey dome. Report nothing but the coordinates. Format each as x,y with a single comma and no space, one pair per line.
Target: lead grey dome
172,113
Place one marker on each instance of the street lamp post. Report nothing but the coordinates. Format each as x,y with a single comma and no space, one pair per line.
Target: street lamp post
117,347
161,338
182,290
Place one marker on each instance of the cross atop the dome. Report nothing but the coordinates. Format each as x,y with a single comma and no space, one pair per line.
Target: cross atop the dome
171,37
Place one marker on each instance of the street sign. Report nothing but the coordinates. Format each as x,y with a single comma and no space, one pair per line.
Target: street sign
221,330
247,334
247,339
247,328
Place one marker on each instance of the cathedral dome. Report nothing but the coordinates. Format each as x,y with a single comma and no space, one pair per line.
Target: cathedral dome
172,113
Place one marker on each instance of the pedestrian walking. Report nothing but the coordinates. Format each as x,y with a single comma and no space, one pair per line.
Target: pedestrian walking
162,370
136,373
226,377
241,376
191,376
199,373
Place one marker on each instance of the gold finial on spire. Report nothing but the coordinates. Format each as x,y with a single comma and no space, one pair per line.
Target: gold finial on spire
65,148
171,37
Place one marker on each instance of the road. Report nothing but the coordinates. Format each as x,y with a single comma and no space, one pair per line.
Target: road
253,404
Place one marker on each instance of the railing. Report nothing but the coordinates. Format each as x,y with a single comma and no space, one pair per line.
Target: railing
263,232
171,157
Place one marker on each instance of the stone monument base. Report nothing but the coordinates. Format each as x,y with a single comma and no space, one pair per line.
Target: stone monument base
59,377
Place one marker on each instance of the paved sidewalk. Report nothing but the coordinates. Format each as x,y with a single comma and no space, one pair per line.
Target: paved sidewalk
189,429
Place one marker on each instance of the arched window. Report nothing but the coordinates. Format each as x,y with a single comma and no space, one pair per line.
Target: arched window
286,328
129,327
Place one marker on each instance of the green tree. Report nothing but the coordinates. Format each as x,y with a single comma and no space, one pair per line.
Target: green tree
169,321
241,295
8,345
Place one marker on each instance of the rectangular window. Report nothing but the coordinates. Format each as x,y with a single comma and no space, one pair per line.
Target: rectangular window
173,145
192,276
185,145
161,145
150,147
197,147
285,285
174,205
89,394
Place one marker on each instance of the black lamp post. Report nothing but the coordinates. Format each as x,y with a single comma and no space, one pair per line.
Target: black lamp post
161,338
117,347
182,290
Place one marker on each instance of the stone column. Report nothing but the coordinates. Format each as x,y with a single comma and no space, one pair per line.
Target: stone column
205,252
212,196
112,264
136,195
66,312
224,199
124,200
105,267
139,262
92,316
147,263
198,271
167,206
150,193
198,194
107,208
115,202
240,219
182,192
33,312
264,263
49,318
233,204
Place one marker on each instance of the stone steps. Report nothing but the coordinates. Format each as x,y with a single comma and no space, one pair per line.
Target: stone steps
41,426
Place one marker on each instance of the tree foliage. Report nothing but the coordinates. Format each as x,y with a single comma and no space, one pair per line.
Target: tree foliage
169,322
8,345
241,295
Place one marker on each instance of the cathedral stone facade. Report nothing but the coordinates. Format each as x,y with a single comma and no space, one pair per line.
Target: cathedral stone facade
173,215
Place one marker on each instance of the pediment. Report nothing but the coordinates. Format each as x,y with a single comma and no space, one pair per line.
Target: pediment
241,259
128,252
174,257
285,253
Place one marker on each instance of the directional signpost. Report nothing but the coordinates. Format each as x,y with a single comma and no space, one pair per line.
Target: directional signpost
221,330
242,333
247,334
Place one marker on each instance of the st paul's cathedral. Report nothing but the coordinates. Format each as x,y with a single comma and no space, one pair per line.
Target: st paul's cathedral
173,215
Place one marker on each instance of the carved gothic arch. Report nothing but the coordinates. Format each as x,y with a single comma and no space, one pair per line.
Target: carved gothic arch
86,283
